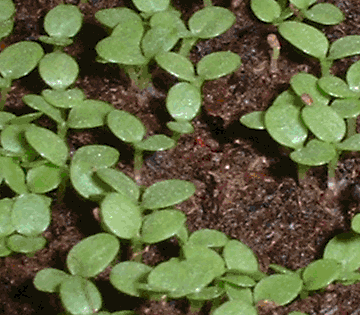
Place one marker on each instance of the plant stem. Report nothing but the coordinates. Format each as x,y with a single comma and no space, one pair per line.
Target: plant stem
137,246
302,169
207,3
186,46
325,64
139,75
332,166
62,130
275,46
138,162
351,127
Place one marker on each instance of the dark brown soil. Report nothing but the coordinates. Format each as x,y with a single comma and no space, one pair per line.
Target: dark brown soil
246,185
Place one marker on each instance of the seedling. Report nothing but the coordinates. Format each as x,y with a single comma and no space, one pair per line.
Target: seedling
7,11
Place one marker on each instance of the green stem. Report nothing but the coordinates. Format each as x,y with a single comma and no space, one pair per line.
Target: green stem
302,169
4,93
195,306
186,46
351,127
140,76
332,166
326,65
138,162
62,130
137,247
207,3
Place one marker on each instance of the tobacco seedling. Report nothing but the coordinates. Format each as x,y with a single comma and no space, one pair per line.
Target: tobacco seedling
7,11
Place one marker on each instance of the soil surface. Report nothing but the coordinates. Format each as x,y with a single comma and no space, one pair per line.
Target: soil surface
246,185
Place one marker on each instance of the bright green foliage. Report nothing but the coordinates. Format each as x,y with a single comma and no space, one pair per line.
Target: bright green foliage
209,238
156,143
64,99
150,6
7,10
13,174
266,10
92,255
157,196
206,294
125,276
238,293
254,120
19,59
49,279
43,178
25,244
345,47
281,289
239,280
355,223
235,307
6,226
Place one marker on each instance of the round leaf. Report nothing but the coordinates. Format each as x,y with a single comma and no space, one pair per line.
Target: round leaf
353,77
121,215
6,226
89,114
64,99
320,274
218,64
166,18
345,47
208,238
24,244
254,120
49,279
324,123
156,143
80,296
43,179
125,126
334,86
324,13
5,117
211,22
236,307
13,175
177,65
126,275
63,21
240,257
85,162
6,27
281,289
150,6
348,108
183,101
306,38
315,153
19,59
47,144
355,223
239,280
120,49
58,70
344,249
161,225
13,140
92,255
350,144
7,9
158,196
302,4
206,294
59,41
4,249
266,10
239,294
182,127
31,214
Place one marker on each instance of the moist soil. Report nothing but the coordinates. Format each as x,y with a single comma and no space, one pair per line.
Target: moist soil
246,184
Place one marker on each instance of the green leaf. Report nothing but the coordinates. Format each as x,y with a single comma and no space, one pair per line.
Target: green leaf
254,120
92,255
25,119
161,225
218,64
4,250
315,153
159,39
239,294
5,117
182,127
235,307
13,175
240,257
304,83
31,214
85,162
156,143
49,279
348,108
353,77
43,179
266,10
284,124
6,226
208,238
64,99
150,6
281,289
206,294
355,223
183,101
89,114
306,38
350,144
7,9
297,313
325,13
157,196
56,41
119,182
58,70
334,86
344,249
38,103
281,269
80,296
63,21
239,280
324,123
19,59
320,273
125,276
121,49
121,215
6,28
345,47
129,20
125,126
47,144
177,65
25,244
166,18
302,4
211,22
